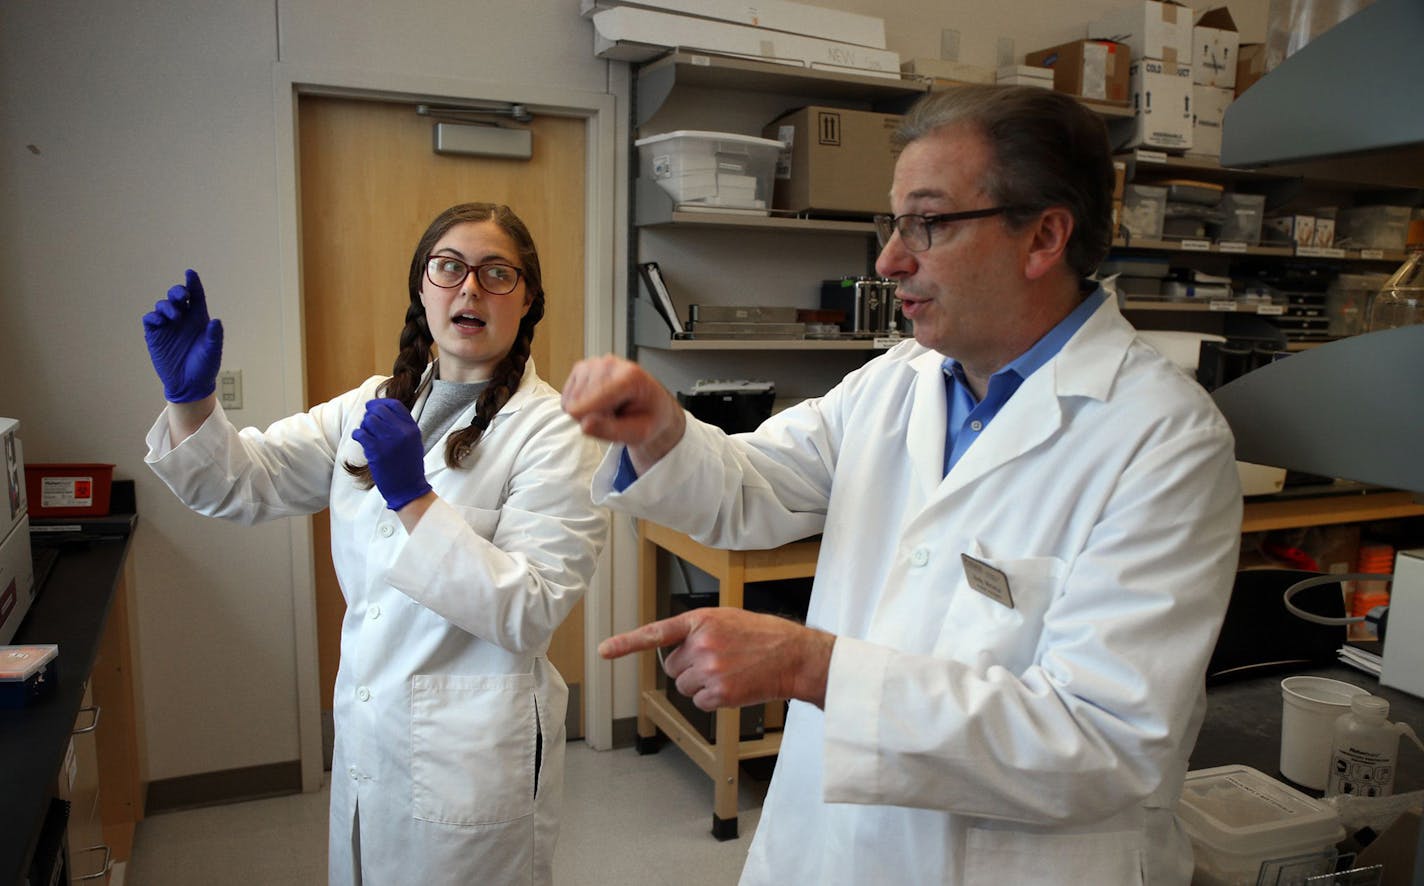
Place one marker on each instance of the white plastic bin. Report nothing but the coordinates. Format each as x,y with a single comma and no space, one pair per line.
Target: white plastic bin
713,169
1242,822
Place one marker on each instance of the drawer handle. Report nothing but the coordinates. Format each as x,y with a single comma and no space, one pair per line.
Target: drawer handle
108,861
93,724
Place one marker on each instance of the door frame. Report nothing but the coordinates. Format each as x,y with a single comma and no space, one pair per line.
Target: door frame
605,300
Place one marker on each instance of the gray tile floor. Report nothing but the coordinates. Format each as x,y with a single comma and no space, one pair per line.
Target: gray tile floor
628,819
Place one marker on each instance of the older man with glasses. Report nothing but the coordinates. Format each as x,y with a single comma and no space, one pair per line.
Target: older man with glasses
1030,525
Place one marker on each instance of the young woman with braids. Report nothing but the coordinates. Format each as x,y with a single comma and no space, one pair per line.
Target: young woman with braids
462,532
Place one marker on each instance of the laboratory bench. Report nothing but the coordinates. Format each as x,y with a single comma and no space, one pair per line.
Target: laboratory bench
1243,723
51,747
1243,717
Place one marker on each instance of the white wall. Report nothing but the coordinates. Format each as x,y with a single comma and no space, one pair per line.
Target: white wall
139,141
140,138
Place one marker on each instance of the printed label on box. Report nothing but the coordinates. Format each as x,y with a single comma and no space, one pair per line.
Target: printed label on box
67,492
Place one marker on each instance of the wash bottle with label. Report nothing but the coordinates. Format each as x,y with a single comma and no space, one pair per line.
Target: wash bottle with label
1366,746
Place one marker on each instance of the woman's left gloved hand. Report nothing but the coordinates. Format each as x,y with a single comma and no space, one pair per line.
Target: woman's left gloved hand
391,440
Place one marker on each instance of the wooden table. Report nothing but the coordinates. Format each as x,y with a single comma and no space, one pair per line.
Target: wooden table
732,569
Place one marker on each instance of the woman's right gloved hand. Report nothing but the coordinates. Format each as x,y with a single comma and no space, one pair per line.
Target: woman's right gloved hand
185,346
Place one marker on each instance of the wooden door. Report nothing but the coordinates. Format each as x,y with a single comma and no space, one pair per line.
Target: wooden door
370,183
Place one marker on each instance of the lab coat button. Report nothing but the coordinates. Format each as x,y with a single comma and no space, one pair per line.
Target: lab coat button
920,557
387,530
352,772
363,693
374,612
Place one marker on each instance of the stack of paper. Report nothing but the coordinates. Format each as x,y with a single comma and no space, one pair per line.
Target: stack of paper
1355,657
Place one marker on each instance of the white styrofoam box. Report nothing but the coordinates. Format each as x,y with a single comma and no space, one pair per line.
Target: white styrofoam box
626,33
1247,827
947,70
1162,102
17,578
1214,53
1208,110
1403,653
12,481
711,168
774,15
1024,75
1152,28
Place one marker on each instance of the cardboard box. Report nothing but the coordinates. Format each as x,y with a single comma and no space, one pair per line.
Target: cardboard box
836,161
1324,232
1157,29
1093,69
1215,46
13,498
1250,65
1162,100
1208,110
944,70
626,33
1299,230
774,15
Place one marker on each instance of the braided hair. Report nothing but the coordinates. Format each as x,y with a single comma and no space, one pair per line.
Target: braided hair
416,339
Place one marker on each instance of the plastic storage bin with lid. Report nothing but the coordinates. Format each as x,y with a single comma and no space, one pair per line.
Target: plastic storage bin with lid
1247,828
721,170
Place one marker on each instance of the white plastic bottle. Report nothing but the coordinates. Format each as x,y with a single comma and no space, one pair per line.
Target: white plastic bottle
1366,747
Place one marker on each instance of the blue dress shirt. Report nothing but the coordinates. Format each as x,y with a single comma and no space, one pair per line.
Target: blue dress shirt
969,417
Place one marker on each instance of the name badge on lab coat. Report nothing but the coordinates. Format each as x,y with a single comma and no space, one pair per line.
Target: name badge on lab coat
987,580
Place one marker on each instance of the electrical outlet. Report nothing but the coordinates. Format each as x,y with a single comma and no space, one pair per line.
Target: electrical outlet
230,388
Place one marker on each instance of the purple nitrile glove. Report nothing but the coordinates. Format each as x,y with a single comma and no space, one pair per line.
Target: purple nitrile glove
185,346
391,440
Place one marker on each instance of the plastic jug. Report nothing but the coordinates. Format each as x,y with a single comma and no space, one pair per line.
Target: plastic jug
1365,751
1401,301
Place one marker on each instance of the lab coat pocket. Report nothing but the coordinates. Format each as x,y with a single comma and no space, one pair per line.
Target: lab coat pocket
472,748
981,630
482,520
994,857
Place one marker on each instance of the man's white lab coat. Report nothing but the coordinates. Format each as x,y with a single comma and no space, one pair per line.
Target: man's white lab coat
966,740
443,682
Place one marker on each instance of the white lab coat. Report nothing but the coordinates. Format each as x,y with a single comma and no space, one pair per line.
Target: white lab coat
443,681
964,741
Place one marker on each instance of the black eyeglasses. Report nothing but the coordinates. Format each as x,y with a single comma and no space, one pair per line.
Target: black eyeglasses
496,278
914,230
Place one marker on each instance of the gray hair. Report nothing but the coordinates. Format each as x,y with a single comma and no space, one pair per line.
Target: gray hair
1048,150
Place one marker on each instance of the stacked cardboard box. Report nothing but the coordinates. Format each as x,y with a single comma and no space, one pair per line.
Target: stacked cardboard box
836,161
1159,34
1091,69
1215,49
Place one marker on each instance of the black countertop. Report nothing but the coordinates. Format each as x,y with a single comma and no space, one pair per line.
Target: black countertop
1243,724
71,610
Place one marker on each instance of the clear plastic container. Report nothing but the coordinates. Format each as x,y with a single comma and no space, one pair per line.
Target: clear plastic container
1401,301
1246,828
712,169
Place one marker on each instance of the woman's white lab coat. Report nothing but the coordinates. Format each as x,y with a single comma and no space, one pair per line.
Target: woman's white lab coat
966,740
443,683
